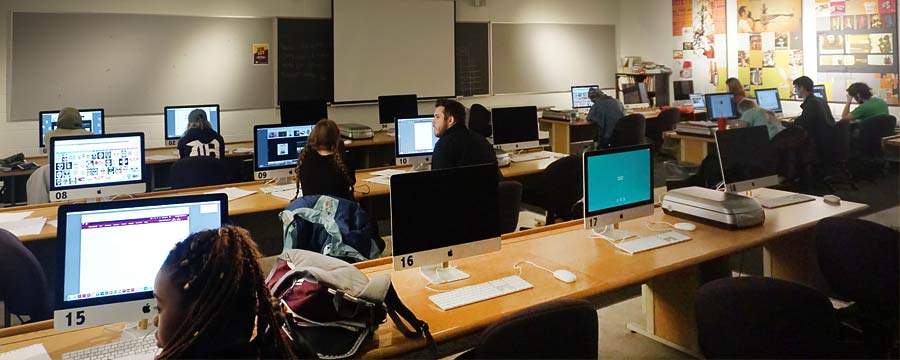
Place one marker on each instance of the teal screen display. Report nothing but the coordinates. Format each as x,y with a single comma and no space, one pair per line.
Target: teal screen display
618,179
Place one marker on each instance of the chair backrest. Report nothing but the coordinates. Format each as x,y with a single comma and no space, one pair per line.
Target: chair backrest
872,130
561,187
480,120
840,142
668,118
510,195
196,171
560,329
37,188
793,150
23,286
629,131
763,318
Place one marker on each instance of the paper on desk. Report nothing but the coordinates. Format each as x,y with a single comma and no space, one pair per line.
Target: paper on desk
52,223
383,180
31,352
161,157
14,216
232,192
388,172
25,227
286,194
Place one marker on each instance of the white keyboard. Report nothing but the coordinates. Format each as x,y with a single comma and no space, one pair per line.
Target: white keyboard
480,292
277,188
651,242
785,201
136,348
529,156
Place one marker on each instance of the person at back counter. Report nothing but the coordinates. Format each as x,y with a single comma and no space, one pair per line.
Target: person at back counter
869,106
457,145
199,139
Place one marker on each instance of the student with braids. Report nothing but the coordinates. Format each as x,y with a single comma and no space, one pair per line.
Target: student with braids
213,301
321,166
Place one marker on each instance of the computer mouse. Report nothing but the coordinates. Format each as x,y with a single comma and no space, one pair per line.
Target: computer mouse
564,276
685,226
348,142
832,199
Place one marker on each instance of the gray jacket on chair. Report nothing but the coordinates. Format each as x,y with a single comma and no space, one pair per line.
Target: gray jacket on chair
37,189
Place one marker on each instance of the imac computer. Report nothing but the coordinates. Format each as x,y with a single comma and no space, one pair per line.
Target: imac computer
683,89
391,107
698,102
768,99
110,253
275,150
580,98
747,158
721,106
515,128
91,120
819,90
96,166
303,112
418,241
415,141
177,120
618,186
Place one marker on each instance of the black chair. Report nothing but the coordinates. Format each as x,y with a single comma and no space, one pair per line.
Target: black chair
510,195
665,121
860,260
867,153
480,120
196,171
763,318
795,156
560,188
560,329
23,286
629,130
836,160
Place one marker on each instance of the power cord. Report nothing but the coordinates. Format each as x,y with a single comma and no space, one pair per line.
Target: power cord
596,234
517,267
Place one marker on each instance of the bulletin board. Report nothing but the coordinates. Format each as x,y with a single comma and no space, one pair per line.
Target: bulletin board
699,43
769,44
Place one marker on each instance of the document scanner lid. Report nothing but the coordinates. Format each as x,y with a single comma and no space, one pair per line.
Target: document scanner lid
713,200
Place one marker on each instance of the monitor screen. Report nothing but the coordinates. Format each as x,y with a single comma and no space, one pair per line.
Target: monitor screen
635,93
698,102
415,136
580,98
92,161
91,120
617,178
177,118
819,90
746,154
514,124
111,251
768,99
277,146
397,106
683,89
721,106
303,112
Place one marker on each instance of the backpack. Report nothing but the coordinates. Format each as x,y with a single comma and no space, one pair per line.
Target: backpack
334,306
331,226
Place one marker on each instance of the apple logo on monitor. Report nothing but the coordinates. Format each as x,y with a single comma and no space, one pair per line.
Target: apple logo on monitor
450,253
146,308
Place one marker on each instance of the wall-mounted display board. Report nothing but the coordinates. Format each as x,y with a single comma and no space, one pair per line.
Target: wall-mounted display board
699,43
769,44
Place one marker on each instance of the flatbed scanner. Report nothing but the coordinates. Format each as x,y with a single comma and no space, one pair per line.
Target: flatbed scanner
712,207
356,131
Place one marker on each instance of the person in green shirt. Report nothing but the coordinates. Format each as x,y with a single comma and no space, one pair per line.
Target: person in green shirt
869,106
753,115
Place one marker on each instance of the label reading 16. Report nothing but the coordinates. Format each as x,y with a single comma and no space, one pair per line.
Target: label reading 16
406,261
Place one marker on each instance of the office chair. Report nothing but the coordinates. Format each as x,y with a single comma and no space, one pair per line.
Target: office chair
559,329
196,171
860,260
795,156
560,188
868,156
763,318
23,286
480,120
510,196
629,130
665,121
836,162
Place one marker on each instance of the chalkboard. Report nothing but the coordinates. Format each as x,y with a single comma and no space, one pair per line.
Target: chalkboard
305,59
472,59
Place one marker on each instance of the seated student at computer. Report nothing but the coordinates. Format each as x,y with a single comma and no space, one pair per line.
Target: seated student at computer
753,115
212,302
199,138
605,113
735,87
68,123
815,116
457,145
869,106
322,168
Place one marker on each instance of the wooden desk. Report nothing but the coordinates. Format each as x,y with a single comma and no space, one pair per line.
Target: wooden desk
561,130
692,148
891,146
671,274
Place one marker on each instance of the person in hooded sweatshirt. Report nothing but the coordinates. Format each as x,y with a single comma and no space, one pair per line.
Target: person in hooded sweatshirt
199,139
68,123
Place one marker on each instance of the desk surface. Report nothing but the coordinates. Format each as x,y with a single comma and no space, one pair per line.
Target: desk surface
599,267
648,114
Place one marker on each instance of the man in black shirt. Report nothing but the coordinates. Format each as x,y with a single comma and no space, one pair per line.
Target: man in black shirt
457,145
816,116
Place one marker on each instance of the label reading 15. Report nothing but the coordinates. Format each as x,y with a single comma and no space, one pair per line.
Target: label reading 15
406,261
79,318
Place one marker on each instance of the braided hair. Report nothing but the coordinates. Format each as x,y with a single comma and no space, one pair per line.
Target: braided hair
324,136
218,273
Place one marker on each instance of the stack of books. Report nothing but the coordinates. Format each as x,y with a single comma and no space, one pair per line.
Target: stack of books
696,128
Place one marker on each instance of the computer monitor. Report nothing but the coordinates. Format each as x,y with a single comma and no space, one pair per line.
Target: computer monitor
303,112
96,166
414,140
683,89
418,198
635,94
391,107
618,186
515,128
698,102
91,120
580,98
747,158
721,106
177,120
275,150
819,90
109,254
768,99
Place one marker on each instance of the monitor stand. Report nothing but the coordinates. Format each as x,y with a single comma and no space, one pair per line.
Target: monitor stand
443,273
421,167
388,129
284,180
611,232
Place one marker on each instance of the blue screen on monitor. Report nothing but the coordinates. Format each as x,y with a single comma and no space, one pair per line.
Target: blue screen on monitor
721,106
177,119
768,99
415,136
618,179
91,120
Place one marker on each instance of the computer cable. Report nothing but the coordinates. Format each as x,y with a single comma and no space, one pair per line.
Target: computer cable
519,268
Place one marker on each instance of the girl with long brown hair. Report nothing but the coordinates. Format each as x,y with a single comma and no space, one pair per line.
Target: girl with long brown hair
322,168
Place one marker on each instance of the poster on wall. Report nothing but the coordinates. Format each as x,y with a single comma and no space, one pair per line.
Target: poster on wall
698,45
769,44
857,42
